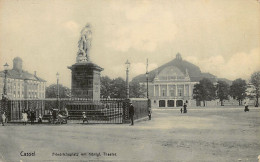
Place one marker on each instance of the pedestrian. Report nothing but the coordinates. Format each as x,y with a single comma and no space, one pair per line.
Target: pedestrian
28,114
131,113
24,117
150,114
3,119
54,116
60,117
246,107
185,108
84,117
181,110
32,117
66,112
40,118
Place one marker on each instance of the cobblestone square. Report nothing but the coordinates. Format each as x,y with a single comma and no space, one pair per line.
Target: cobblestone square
203,134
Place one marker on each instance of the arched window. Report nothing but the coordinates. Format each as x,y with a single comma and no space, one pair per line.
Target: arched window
162,103
170,103
179,103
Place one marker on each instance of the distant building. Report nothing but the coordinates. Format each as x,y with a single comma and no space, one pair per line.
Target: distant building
21,84
172,84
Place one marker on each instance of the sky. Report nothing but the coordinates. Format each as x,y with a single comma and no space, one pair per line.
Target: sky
221,37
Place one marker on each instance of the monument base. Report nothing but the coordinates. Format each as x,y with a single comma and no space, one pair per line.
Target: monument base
85,80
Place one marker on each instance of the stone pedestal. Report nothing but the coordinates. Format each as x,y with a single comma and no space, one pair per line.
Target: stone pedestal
85,80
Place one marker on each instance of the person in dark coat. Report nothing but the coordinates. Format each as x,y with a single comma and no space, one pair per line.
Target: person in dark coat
246,107
54,115
131,113
28,114
185,108
32,117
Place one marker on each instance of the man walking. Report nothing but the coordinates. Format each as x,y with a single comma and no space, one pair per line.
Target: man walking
131,113
185,108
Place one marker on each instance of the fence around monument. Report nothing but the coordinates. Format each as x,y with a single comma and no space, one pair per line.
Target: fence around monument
102,111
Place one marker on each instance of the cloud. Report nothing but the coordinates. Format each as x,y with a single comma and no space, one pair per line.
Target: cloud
71,26
240,65
146,27
134,70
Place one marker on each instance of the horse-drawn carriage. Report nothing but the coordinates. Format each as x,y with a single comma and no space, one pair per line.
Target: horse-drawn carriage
56,116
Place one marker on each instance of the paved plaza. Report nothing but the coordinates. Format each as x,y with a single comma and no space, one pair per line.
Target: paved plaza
203,134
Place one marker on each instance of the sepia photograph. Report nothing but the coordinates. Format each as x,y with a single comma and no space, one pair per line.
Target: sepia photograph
129,80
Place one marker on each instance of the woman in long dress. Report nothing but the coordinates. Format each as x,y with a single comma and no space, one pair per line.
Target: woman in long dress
3,119
25,117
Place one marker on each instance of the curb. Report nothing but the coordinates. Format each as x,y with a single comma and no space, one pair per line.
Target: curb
142,119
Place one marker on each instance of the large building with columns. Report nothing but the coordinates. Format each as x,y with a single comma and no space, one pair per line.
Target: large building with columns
171,85
21,84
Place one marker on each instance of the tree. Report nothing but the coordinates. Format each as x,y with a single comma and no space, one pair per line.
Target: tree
238,90
118,88
52,91
136,90
105,86
222,91
255,80
204,91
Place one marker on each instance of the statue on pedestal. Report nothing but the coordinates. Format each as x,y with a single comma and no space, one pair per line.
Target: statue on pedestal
84,44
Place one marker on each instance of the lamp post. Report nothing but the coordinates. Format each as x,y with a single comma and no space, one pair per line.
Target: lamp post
146,74
5,72
58,90
147,84
127,63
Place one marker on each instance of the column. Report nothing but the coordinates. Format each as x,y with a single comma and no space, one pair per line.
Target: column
159,85
176,90
167,90
190,90
154,90
184,89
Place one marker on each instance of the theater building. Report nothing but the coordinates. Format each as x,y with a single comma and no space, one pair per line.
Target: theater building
21,84
171,84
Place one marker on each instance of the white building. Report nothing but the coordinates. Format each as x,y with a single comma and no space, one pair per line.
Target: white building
172,84
21,84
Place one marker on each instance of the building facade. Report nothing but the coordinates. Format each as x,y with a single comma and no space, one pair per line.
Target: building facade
171,85
21,84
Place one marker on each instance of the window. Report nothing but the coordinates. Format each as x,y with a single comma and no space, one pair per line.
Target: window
163,92
170,103
162,103
180,92
172,92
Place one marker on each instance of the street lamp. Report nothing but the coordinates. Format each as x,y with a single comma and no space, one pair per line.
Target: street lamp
5,72
127,63
147,83
58,94
146,74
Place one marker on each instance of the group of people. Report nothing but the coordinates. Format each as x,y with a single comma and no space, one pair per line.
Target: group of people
30,115
58,116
